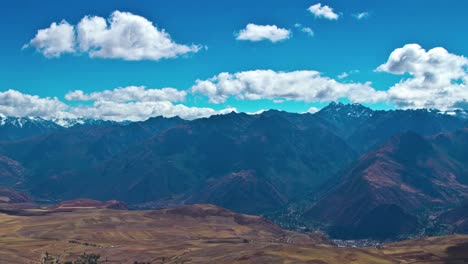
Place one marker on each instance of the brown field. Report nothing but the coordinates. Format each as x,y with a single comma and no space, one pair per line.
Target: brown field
194,234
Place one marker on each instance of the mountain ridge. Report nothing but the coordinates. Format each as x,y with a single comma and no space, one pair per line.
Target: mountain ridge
256,164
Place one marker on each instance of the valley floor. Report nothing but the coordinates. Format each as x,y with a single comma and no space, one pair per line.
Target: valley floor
194,234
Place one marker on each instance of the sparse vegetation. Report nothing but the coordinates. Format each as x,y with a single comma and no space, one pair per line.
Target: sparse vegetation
200,237
46,258
88,259
83,259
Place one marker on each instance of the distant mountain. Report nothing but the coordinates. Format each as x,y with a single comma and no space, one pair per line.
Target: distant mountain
361,127
64,160
365,129
173,160
13,128
79,122
346,118
460,113
16,128
385,124
265,157
253,163
411,174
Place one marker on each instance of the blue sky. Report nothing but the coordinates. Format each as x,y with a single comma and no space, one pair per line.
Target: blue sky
342,45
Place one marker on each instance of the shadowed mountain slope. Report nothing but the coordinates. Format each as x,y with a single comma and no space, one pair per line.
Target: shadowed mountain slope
409,175
283,160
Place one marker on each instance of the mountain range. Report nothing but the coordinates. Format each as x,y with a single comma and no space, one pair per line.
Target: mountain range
14,128
352,168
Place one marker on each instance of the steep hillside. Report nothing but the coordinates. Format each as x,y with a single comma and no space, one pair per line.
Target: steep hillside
11,172
407,176
61,162
454,220
234,190
284,159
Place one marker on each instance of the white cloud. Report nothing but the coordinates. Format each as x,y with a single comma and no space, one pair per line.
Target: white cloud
130,93
308,86
128,37
438,79
254,32
123,36
343,75
324,11
306,30
14,103
360,16
54,40
137,111
313,110
114,106
258,112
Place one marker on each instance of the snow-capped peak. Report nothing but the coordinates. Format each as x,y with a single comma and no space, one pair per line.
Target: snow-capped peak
23,121
70,122
349,110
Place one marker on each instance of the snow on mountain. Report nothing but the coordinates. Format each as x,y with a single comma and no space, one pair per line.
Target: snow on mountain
349,110
29,121
458,113
20,122
71,122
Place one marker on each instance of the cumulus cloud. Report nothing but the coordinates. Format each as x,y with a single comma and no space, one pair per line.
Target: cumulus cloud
362,15
273,33
54,40
128,94
137,111
323,11
129,37
14,103
438,79
308,86
123,36
117,105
